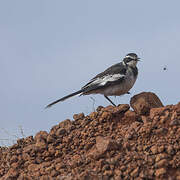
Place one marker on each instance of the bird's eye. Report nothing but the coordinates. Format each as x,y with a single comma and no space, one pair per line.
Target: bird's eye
128,60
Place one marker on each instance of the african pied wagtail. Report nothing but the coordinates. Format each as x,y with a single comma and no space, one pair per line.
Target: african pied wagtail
114,81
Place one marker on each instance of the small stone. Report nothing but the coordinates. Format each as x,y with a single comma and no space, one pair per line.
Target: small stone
12,173
161,156
108,173
154,149
33,167
93,115
151,172
41,136
162,131
155,113
78,116
46,177
99,108
24,177
162,163
135,172
15,165
122,108
50,138
105,116
104,144
170,150
160,172
40,146
60,132
13,159
161,149
175,122
143,102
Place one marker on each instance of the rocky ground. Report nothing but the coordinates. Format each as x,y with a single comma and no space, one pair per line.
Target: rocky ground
112,143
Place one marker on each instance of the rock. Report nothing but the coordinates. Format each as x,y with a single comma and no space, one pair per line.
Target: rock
143,102
78,116
170,150
12,173
46,177
13,159
24,177
131,115
33,167
104,144
162,163
154,149
161,156
135,172
111,143
66,124
156,112
29,149
122,108
40,146
50,138
60,132
160,172
41,136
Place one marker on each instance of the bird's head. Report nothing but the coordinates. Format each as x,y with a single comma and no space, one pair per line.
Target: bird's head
131,59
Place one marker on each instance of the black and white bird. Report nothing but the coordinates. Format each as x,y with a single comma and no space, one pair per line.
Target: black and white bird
114,81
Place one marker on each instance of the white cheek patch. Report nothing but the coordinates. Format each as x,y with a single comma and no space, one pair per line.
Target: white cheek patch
132,63
109,78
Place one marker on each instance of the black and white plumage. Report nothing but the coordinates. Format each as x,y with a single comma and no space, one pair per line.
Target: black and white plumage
114,81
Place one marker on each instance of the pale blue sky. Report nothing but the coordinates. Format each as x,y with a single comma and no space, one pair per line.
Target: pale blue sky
51,48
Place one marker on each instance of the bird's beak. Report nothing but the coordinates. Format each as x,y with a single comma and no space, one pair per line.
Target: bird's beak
138,59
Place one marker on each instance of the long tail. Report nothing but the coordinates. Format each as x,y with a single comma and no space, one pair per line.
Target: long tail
64,98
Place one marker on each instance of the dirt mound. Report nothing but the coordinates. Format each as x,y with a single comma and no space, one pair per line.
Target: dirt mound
111,143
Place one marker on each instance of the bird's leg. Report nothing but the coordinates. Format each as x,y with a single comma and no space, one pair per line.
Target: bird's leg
109,100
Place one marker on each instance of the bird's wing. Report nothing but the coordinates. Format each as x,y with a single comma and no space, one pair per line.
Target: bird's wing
111,76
